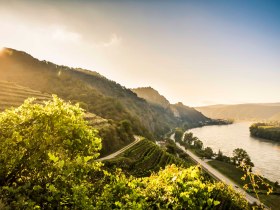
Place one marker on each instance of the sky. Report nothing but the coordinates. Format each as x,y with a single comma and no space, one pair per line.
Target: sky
198,52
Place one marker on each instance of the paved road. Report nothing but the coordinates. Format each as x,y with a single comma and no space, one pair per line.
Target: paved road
216,174
137,139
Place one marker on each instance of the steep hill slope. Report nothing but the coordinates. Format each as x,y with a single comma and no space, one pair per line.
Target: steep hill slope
13,95
96,94
269,111
185,114
152,96
188,114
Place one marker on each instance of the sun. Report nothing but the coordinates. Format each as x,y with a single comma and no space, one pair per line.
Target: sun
2,49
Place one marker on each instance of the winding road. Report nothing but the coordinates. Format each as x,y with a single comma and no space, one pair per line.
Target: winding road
216,174
137,139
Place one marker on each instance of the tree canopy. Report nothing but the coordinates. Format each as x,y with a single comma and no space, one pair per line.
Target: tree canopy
240,156
45,151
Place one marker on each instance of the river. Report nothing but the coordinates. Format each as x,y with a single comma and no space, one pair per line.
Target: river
264,154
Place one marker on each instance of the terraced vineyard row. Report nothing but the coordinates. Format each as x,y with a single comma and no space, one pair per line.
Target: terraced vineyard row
13,95
144,158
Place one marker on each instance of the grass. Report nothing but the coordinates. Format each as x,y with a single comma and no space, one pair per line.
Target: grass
229,170
235,174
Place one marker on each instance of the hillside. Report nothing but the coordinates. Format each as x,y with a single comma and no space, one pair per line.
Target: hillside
113,134
185,114
96,94
152,96
256,112
13,95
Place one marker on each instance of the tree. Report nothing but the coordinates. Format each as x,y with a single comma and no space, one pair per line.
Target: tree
222,157
198,144
208,152
45,156
240,156
178,134
188,138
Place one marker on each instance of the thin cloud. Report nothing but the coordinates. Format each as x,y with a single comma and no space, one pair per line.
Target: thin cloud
114,41
62,34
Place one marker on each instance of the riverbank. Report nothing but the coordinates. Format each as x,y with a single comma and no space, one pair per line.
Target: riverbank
269,131
265,154
235,175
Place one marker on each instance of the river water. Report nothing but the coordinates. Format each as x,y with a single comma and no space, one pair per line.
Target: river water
264,154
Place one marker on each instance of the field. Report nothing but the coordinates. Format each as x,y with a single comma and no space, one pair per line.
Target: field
13,95
144,158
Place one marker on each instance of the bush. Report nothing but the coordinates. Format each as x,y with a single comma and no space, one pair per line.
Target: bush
171,188
45,153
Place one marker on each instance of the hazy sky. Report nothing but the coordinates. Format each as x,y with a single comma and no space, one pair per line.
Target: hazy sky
199,52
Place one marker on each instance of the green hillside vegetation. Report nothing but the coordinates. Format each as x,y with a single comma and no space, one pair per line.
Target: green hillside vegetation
269,131
47,157
115,135
144,158
98,95
243,112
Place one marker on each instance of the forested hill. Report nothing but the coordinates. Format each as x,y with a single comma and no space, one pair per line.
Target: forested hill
95,93
258,112
179,110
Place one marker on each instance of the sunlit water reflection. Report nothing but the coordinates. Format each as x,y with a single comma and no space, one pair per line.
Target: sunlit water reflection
264,154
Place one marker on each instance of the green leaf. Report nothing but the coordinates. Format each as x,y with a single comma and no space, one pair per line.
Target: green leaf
216,203
52,157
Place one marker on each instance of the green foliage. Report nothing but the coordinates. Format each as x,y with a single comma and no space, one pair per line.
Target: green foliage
144,158
240,156
45,156
115,136
196,145
188,138
222,157
266,130
178,134
171,188
172,148
256,181
208,152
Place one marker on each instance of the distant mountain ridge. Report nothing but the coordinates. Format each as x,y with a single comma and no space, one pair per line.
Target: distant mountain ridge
243,112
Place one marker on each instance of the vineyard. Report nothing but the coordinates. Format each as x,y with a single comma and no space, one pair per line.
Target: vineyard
13,95
144,158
